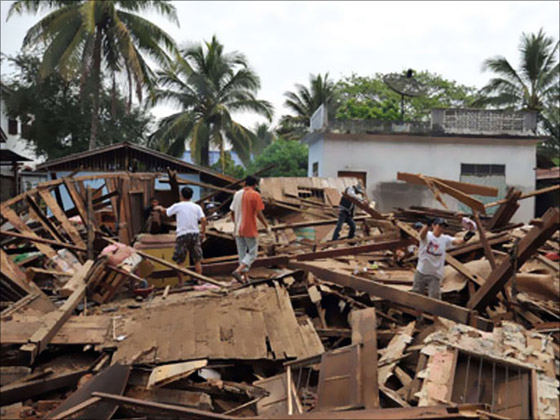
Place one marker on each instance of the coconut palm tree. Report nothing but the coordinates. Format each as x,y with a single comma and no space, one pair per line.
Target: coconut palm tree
304,102
264,136
534,84
208,85
99,36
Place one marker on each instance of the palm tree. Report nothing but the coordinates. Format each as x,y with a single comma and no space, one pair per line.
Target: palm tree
534,84
304,102
264,137
208,85
96,36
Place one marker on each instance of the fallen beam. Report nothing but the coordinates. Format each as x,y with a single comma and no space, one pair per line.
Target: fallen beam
22,391
408,299
364,206
353,250
55,320
465,187
530,194
40,240
227,267
176,410
526,247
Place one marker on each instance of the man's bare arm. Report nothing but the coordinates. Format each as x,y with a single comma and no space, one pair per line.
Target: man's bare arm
424,231
203,223
261,217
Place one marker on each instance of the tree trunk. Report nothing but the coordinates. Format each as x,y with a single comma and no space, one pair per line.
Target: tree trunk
205,154
96,89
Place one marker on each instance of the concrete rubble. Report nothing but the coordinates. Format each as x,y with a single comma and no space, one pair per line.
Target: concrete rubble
94,326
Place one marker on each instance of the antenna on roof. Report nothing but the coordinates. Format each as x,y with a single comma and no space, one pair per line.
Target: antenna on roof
404,85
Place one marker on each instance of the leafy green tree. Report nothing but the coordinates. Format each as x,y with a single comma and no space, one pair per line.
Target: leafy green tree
289,156
55,115
208,85
227,166
303,102
96,37
369,98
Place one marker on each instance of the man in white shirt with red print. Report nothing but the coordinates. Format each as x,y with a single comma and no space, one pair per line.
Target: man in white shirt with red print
431,258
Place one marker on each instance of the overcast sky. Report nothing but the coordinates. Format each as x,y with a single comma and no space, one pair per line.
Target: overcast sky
286,41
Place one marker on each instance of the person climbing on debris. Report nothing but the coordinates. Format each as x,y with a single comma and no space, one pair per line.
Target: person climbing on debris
152,218
189,236
431,257
346,210
246,207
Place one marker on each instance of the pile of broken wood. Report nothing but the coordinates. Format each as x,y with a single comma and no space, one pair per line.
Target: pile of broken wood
325,329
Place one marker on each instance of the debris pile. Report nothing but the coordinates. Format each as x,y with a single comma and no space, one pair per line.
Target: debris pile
92,325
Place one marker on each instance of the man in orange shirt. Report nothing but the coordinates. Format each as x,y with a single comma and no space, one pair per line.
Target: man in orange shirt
246,207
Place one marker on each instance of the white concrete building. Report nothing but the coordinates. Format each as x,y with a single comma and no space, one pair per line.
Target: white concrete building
495,148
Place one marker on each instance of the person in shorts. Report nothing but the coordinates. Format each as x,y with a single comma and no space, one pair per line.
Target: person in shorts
431,258
189,235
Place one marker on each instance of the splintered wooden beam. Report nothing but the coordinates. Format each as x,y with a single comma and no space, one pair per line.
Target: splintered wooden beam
526,247
54,320
77,199
465,187
527,195
20,225
364,206
457,190
364,331
38,240
12,271
473,203
178,411
407,299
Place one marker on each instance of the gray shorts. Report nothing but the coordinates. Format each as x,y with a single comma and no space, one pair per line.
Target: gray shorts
427,285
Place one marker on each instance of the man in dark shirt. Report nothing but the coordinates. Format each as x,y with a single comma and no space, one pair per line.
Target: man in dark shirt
346,211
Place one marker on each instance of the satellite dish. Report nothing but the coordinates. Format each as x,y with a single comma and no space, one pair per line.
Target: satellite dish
404,85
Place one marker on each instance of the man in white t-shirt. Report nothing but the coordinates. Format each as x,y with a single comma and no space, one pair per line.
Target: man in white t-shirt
189,236
431,258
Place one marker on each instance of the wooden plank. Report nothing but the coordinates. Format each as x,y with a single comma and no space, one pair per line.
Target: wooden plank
55,319
112,379
76,409
179,411
473,203
76,199
526,247
90,225
18,224
38,240
484,240
465,187
527,195
13,393
166,374
407,299
12,271
179,268
58,213
364,206
364,328
340,379
37,214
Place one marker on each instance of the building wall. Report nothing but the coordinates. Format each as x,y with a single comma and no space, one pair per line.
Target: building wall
381,157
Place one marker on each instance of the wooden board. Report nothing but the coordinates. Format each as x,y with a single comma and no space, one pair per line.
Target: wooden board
18,224
237,326
77,330
340,379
